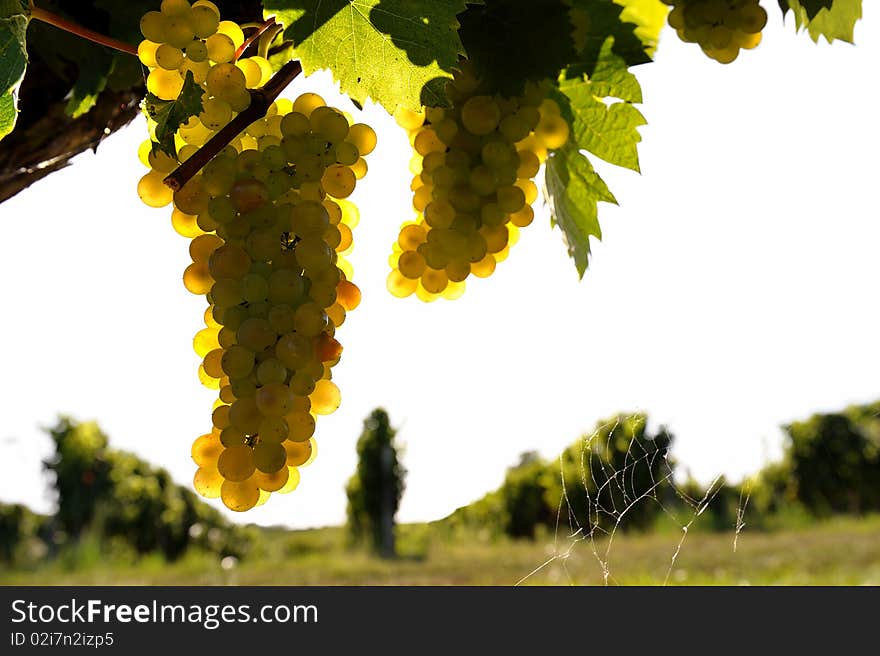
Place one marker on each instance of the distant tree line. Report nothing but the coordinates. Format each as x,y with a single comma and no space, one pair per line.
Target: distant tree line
117,498
621,477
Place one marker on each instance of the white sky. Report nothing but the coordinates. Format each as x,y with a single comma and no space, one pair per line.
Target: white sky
732,292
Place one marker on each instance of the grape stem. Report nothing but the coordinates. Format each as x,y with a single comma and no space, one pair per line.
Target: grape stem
253,37
261,99
69,26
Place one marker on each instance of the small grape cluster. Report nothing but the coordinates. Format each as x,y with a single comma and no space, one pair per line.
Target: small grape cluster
720,27
472,187
270,228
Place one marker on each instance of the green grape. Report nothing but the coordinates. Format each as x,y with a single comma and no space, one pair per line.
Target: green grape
225,80
232,30
206,449
164,84
720,27
310,319
192,197
294,350
480,115
244,414
178,31
363,137
313,254
211,364
220,417
255,334
302,384
204,341
411,264
197,279
241,495
154,26
281,318
208,482
196,50
338,181
285,287
269,458
232,436
255,288
199,70
274,482
147,53
252,73
229,261
227,292
237,361
248,194
236,463
220,48
326,397
153,191
169,57
301,425
273,399
511,199
330,124
271,371
204,20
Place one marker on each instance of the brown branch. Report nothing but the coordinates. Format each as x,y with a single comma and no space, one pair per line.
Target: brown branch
79,30
253,37
260,101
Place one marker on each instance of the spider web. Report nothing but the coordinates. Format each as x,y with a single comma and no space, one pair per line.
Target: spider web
614,494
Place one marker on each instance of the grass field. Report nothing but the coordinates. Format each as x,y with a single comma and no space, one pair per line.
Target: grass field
839,552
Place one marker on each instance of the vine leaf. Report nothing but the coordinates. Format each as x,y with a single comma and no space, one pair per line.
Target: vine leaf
533,37
811,7
13,61
649,17
835,20
573,190
171,114
598,23
90,82
604,121
600,108
397,52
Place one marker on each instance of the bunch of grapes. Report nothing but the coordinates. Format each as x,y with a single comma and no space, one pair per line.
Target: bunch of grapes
720,27
472,187
270,227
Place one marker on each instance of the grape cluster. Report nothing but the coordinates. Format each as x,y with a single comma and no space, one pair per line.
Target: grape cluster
720,27
269,228
472,187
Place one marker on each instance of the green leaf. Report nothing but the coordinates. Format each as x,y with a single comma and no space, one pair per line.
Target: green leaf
598,23
606,129
534,37
171,114
84,64
13,63
397,52
124,17
649,16
10,8
573,190
835,22
90,82
812,7
7,114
